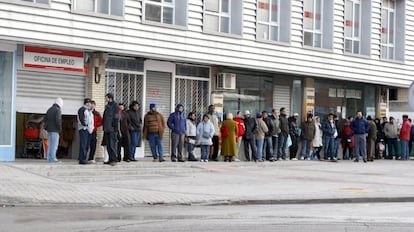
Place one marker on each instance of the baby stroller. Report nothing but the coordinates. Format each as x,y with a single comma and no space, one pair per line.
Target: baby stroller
32,142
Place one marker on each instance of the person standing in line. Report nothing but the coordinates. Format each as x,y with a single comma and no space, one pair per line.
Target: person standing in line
293,132
360,127
391,134
205,133
240,131
53,125
268,141
154,127
260,136
249,137
229,132
284,133
347,140
410,143
308,133
85,128
97,122
386,148
276,131
125,138
372,136
215,120
329,135
134,114
111,127
190,136
317,140
405,137
379,143
178,125
43,137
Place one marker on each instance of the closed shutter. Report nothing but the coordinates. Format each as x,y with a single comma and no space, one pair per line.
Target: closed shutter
159,92
37,91
281,97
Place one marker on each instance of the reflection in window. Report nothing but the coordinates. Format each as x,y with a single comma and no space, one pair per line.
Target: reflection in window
223,16
269,23
108,7
318,23
173,12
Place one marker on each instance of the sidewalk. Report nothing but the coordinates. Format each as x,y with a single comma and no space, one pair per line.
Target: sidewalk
34,183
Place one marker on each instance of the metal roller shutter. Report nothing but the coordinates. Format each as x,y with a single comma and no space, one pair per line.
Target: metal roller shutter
281,97
158,89
37,91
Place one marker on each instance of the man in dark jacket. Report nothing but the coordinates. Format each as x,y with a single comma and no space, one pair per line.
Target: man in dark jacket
53,124
360,127
249,139
111,127
178,125
124,137
284,133
97,122
308,133
294,136
268,143
330,133
276,130
135,130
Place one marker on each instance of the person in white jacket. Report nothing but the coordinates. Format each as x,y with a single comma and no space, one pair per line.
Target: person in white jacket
317,140
190,136
205,133
85,128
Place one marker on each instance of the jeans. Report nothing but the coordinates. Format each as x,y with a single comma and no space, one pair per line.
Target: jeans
337,142
190,150
53,138
392,148
281,150
259,145
329,147
177,143
205,151
404,149
92,145
306,144
360,146
252,143
135,137
268,143
155,142
83,144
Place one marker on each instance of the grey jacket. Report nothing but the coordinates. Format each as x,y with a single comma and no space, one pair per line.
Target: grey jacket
53,119
390,131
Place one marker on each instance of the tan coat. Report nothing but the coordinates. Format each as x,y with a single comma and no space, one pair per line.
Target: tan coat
228,144
154,122
261,129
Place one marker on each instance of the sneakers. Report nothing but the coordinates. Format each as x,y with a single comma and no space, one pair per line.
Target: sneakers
279,159
294,159
308,159
206,161
302,158
91,161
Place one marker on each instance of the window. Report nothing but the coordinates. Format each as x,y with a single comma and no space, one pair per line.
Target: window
318,23
37,1
269,23
357,26
173,12
392,29
223,16
108,7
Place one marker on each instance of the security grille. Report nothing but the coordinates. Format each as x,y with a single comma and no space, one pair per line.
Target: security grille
126,87
193,94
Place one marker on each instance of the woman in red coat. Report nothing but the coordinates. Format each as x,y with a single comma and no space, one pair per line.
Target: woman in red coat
240,126
347,140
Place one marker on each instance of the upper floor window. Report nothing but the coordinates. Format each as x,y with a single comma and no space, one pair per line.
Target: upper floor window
223,16
357,26
318,23
392,29
172,12
273,20
37,1
107,7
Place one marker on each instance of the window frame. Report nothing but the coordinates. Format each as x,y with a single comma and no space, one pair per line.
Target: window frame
389,45
99,14
220,15
269,23
314,31
26,3
162,5
353,38
233,31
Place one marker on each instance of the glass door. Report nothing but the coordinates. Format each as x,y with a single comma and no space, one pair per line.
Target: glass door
6,97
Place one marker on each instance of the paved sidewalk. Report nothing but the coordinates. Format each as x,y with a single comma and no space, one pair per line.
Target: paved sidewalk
32,183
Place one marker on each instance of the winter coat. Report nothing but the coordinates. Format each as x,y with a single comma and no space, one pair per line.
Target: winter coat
215,121
359,126
372,131
276,125
205,132
125,123
390,131
293,127
97,120
85,119
177,121
328,128
240,126
308,130
228,144
261,129
380,132
154,122
405,131
53,119
191,130
317,140
347,136
250,125
284,125
111,117
412,133
270,126
136,119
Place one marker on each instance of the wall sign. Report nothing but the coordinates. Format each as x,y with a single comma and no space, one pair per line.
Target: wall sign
54,59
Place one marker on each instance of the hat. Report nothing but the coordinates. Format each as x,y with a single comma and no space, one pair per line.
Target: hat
295,115
246,112
87,100
59,102
152,106
258,115
109,95
369,117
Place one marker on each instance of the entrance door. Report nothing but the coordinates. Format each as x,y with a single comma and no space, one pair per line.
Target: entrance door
158,91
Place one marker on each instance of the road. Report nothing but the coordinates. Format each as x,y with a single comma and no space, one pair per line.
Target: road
386,217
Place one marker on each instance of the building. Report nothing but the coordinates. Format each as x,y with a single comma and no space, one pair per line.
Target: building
308,56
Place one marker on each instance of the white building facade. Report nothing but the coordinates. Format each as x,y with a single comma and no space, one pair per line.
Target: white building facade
310,56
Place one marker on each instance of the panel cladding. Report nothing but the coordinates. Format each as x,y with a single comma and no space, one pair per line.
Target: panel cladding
59,26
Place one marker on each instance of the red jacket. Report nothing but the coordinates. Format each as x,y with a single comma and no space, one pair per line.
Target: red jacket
97,120
405,131
240,126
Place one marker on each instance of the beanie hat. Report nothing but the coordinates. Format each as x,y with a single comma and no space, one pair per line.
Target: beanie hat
369,117
258,115
152,106
59,102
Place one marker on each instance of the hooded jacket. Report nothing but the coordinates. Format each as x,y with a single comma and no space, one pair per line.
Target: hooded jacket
53,119
177,121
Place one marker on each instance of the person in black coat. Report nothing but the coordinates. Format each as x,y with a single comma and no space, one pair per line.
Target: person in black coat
134,114
111,127
249,139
